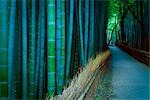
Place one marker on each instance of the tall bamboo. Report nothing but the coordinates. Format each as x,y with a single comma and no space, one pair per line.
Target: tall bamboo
69,39
11,49
24,48
91,33
51,46
32,48
38,55
81,34
86,28
42,61
17,67
58,43
62,60
3,49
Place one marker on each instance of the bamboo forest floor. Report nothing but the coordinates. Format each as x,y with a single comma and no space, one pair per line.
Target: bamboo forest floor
125,79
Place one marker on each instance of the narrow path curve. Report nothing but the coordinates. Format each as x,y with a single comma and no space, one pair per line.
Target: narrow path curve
130,79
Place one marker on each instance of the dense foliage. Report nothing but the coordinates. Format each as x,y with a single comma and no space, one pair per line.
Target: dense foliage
128,23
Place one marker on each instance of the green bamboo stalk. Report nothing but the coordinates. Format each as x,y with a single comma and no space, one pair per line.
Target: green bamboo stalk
69,38
24,48
51,46
86,28
91,33
58,44
62,52
32,50
11,49
75,49
3,49
66,31
17,77
82,60
42,61
38,54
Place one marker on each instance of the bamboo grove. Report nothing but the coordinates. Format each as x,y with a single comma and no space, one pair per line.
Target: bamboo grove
128,23
135,24
44,43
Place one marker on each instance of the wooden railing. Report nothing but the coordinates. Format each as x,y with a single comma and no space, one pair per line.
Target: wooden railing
140,55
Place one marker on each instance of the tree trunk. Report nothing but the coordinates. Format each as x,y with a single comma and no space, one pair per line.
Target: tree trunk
123,36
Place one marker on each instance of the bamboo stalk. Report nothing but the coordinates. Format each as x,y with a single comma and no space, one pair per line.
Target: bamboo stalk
51,46
3,49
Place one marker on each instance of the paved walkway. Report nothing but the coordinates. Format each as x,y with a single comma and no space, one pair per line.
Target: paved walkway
130,79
